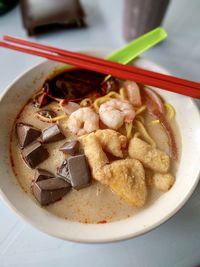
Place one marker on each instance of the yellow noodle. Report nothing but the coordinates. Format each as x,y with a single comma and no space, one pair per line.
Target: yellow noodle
137,134
107,77
140,110
144,134
140,118
86,102
113,94
103,99
122,93
155,122
171,113
61,117
129,128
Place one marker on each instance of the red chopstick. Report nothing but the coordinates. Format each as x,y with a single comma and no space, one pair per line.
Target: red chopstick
114,69
93,59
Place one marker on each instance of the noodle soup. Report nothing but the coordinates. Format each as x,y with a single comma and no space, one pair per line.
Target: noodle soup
122,136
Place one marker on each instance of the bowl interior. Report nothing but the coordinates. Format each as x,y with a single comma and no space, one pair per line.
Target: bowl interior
148,218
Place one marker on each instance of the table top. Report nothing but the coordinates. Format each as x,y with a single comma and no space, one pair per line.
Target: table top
176,242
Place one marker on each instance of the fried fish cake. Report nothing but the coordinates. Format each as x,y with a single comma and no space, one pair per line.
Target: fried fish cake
151,157
112,141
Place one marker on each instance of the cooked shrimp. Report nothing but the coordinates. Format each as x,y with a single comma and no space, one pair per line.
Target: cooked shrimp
133,93
83,121
115,112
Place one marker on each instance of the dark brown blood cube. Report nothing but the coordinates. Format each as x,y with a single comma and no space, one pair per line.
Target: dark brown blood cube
63,171
26,134
79,173
70,147
52,134
34,154
41,174
50,190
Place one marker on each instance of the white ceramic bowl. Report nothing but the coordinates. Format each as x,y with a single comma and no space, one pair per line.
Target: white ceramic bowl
167,205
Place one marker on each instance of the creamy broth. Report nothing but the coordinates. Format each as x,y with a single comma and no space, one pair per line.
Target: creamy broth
93,204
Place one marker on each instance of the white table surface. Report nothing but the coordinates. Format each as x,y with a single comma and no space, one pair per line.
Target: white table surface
175,243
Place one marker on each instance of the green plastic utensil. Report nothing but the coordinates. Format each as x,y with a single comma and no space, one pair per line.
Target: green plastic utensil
135,48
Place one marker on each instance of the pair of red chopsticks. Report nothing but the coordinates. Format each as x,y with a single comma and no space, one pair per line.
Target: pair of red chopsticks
167,82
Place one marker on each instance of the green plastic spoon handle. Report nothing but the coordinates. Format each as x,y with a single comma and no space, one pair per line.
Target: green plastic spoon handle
138,46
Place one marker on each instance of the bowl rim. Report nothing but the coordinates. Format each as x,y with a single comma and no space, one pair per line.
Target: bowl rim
108,239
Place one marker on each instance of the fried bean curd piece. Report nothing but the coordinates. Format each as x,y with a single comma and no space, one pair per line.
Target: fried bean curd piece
127,179
151,157
94,152
112,141
163,182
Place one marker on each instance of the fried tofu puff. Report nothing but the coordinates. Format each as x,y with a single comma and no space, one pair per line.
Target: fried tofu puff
112,141
125,177
163,182
94,152
151,157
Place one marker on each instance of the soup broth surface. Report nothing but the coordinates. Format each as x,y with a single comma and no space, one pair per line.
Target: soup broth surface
95,203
